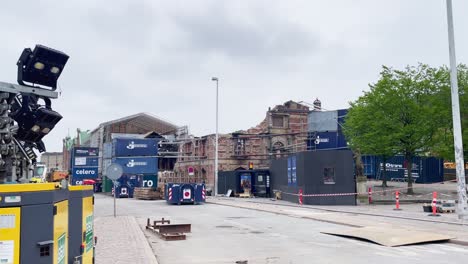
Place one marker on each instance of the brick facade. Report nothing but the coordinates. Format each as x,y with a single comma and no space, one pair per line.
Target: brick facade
283,131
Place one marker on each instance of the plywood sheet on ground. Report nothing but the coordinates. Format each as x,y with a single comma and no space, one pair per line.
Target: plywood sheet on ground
388,236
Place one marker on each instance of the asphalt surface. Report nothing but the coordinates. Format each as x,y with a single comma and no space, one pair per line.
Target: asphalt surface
222,234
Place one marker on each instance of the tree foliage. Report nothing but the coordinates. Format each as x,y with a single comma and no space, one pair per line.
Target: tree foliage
443,142
406,112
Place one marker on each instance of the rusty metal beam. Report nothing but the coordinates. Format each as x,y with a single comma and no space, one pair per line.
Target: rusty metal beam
174,228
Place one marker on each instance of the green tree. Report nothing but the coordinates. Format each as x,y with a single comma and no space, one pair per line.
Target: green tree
443,139
397,115
367,126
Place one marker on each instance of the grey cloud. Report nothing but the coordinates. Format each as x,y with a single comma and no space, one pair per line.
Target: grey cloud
216,31
129,56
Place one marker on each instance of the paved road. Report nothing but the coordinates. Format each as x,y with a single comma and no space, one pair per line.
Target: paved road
223,234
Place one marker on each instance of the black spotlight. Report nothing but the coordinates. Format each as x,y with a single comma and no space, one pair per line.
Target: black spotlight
34,121
41,66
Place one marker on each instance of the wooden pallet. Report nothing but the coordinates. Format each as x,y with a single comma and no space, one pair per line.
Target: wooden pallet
146,193
245,194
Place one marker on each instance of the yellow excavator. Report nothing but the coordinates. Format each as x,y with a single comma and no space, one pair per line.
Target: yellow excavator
41,175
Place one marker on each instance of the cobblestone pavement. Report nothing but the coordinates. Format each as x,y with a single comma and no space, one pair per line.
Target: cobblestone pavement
120,240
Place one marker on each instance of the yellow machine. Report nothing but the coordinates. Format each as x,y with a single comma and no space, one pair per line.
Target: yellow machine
41,223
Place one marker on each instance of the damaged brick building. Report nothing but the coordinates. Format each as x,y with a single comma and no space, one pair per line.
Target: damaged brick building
283,130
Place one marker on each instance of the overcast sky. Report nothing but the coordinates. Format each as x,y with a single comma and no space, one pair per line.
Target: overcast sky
159,56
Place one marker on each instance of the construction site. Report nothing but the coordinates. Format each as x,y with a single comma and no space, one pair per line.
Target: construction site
233,132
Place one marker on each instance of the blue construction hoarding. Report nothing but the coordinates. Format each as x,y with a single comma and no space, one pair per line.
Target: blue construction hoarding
138,165
85,152
79,161
83,173
84,164
134,147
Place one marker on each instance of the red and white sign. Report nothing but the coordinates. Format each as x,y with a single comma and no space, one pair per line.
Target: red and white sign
170,193
203,193
187,194
191,171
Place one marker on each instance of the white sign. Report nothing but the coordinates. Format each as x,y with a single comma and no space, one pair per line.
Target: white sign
85,172
7,221
187,193
133,163
132,145
80,161
148,183
12,199
7,250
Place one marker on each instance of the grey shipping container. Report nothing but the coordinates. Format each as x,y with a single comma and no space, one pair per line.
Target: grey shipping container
105,164
107,151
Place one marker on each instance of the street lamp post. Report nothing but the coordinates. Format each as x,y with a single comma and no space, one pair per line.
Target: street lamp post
215,79
457,133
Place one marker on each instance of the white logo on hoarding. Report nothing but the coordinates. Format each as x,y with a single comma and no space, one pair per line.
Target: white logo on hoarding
85,172
132,145
133,163
148,183
392,166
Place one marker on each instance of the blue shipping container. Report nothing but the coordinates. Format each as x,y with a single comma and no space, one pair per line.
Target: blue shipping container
85,152
130,180
138,165
326,140
424,170
369,165
127,147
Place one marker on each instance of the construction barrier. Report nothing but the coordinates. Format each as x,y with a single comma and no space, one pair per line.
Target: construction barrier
434,205
301,197
370,195
397,200
366,193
